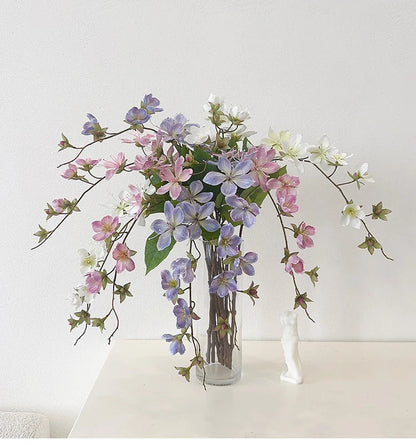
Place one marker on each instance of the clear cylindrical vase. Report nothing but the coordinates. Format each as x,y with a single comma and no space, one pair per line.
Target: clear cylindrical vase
219,327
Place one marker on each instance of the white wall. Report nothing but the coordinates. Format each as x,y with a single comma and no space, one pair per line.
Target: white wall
346,68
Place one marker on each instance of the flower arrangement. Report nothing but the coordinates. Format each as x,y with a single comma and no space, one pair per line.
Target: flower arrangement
208,184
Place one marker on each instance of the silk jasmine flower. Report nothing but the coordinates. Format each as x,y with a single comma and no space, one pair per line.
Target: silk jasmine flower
352,214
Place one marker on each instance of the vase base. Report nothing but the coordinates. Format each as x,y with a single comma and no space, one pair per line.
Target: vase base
218,375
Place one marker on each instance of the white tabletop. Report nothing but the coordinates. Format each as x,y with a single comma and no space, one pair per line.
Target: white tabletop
350,389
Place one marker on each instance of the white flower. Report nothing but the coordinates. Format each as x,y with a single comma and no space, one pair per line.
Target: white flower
352,214
363,173
274,140
81,296
337,158
322,153
292,149
117,207
86,297
214,100
241,133
89,259
198,135
75,299
236,113
147,188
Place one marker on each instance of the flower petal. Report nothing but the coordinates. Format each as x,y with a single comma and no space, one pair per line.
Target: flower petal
164,240
214,178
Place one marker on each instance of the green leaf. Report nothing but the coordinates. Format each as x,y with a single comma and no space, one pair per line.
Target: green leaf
152,256
313,274
200,154
282,171
98,323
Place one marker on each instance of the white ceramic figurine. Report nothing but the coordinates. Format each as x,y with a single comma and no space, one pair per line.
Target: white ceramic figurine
290,339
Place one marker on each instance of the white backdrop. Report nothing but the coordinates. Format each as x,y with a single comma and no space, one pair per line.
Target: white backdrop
345,68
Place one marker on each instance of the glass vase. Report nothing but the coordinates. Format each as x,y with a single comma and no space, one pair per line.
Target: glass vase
219,328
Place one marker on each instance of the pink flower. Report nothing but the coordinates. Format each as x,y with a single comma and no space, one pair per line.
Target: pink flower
284,184
70,172
144,162
58,205
93,282
114,166
87,163
294,263
287,202
133,199
303,239
104,228
174,178
263,166
139,138
122,255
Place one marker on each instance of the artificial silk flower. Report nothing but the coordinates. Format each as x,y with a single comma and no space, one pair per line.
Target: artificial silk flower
352,214
303,238
71,172
133,200
89,258
176,345
228,242
170,283
362,173
194,194
141,139
122,255
321,154
104,228
214,100
284,185
242,210
223,283
171,227
93,282
294,263
115,165
231,176
337,158
263,165
198,218
236,114
293,149
198,135
182,314
174,178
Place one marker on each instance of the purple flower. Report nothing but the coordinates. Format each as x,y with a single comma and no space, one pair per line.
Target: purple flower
231,176
244,264
183,267
227,242
223,283
242,210
176,345
170,284
197,216
151,103
172,226
194,194
89,127
137,116
182,314
92,127
174,128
